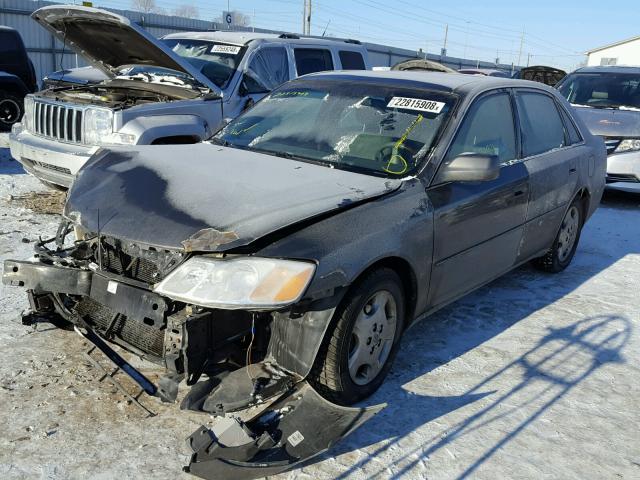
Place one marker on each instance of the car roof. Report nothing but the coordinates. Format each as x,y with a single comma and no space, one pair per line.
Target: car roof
445,82
609,69
243,38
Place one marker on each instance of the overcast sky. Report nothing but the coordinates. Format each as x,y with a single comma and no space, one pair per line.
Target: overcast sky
556,32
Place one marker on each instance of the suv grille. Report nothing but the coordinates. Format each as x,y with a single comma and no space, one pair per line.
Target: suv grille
58,121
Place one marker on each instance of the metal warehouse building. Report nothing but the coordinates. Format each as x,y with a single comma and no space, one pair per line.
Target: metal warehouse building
624,52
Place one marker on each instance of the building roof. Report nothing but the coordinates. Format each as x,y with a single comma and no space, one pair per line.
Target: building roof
615,44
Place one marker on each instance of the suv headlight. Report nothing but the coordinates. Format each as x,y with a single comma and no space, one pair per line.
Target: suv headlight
628,145
238,282
98,125
29,109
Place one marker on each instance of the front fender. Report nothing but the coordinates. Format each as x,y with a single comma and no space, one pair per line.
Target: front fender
148,129
395,226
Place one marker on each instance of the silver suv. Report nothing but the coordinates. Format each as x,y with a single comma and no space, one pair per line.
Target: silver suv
178,89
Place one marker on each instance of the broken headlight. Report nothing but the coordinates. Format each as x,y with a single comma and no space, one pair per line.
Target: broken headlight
628,145
238,282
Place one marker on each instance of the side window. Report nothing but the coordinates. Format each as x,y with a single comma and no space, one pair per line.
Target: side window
309,60
540,122
10,49
268,69
351,60
487,128
572,131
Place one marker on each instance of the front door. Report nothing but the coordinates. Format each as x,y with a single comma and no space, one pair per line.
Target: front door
478,225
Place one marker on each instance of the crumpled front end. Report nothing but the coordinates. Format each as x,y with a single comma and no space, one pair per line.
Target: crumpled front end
245,367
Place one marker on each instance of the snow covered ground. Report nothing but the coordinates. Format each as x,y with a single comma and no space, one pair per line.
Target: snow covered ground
532,376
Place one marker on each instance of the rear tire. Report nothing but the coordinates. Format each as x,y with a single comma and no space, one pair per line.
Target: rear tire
362,340
564,246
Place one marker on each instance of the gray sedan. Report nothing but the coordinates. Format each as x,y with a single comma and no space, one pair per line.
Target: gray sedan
274,268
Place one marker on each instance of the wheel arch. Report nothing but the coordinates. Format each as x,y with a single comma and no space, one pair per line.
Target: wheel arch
407,275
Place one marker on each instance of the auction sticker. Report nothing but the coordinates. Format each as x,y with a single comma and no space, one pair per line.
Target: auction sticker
430,106
229,49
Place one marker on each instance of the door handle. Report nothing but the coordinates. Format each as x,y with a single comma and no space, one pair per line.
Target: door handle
573,170
518,193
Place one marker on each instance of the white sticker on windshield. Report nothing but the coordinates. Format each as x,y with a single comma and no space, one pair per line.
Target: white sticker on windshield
228,49
419,104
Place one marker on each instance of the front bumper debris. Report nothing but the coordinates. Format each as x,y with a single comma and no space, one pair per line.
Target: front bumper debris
294,429
269,419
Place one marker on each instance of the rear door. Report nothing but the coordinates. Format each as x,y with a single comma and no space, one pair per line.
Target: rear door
311,60
550,152
478,225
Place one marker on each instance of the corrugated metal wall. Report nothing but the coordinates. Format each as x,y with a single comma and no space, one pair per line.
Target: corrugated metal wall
47,54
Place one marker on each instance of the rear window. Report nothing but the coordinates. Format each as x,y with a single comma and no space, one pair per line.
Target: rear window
351,60
310,60
540,122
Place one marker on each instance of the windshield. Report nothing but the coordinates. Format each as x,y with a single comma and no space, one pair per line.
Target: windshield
382,130
602,90
216,61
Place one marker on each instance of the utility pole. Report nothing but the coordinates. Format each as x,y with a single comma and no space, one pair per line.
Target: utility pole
309,19
304,17
521,43
528,58
443,53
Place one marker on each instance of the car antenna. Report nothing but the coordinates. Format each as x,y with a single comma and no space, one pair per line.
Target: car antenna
325,28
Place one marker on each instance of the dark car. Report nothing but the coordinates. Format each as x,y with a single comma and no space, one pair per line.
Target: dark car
540,73
17,77
607,99
280,262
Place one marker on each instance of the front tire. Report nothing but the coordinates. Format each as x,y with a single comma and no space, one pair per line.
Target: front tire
564,246
362,340
11,109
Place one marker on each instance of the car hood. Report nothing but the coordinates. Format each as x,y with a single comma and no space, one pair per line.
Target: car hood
108,41
608,122
205,197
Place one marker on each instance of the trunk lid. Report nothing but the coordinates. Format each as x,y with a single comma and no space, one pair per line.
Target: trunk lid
109,41
205,197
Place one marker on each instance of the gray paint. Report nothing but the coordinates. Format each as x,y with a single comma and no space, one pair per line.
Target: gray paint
174,192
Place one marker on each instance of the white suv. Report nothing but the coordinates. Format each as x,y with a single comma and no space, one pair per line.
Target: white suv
178,89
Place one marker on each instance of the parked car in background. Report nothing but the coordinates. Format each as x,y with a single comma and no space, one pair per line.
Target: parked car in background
539,73
421,64
485,72
284,258
17,77
608,101
178,89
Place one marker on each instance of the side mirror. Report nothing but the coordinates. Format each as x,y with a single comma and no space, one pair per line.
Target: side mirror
471,167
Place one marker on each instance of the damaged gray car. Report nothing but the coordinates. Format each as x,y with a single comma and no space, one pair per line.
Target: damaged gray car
274,268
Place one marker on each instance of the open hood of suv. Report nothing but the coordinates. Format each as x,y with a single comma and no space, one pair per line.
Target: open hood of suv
205,197
109,41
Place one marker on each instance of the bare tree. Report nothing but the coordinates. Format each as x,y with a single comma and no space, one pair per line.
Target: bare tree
239,19
145,6
187,11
